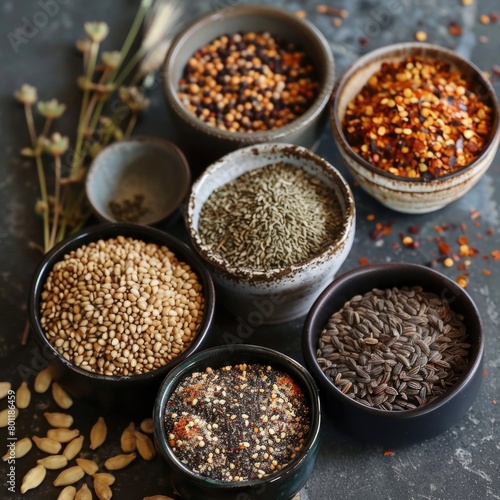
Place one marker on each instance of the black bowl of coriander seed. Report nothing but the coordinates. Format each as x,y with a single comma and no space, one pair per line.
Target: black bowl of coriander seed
248,74
114,308
397,352
238,421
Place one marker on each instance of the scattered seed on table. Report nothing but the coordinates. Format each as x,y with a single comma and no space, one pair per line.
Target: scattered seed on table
248,82
121,306
394,349
270,218
237,423
418,118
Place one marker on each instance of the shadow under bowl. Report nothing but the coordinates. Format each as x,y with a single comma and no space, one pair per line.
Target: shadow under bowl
395,428
134,393
281,485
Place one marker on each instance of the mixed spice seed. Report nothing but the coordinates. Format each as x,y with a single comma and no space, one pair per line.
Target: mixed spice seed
237,423
270,218
248,82
394,349
121,306
418,118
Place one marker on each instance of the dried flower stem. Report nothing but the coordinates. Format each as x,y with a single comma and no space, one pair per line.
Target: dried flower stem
131,124
57,200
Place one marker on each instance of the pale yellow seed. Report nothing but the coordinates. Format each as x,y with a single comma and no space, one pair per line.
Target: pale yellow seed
145,446
43,381
83,493
73,448
147,426
20,449
8,415
33,478
67,493
102,490
63,435
98,433
5,387
119,461
127,440
69,476
47,445
61,397
105,477
59,420
88,466
53,462
23,396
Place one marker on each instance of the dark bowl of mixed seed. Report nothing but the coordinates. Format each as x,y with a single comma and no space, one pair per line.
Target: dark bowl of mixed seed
114,308
416,124
238,421
248,74
397,351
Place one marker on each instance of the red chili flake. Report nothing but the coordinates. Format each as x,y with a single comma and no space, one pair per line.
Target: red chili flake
381,230
363,261
462,280
485,373
494,17
462,240
413,229
483,39
479,236
370,217
496,254
437,229
477,224
395,246
363,42
461,267
496,70
444,248
486,272
388,453
490,231
494,401
474,214
486,257
454,28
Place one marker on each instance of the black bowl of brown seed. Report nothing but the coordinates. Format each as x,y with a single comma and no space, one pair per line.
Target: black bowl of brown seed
397,350
238,422
115,307
248,74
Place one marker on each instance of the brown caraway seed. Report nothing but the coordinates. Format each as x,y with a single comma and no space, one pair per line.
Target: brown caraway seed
43,381
67,493
104,477
61,397
5,387
145,446
5,416
21,448
53,462
73,448
63,435
119,461
98,433
127,439
69,476
33,478
102,490
147,426
23,396
88,466
47,445
59,420
83,493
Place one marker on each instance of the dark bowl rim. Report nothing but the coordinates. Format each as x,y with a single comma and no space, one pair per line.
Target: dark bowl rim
314,110
396,268
108,230
418,48
348,222
144,139
172,379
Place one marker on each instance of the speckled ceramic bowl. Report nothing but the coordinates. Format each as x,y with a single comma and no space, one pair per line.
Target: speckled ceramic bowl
141,180
282,294
384,427
209,143
404,194
134,393
282,485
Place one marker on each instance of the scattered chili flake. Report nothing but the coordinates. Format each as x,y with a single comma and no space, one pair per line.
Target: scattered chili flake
494,17
370,217
462,240
448,262
490,231
484,19
444,248
395,246
485,373
494,401
438,229
301,13
413,229
462,266
496,70
477,223
381,230
474,214
332,11
486,272
486,257
388,453
363,261
462,280
496,254
463,251
454,28
483,39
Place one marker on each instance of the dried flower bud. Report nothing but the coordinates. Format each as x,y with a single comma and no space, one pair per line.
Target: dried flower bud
58,144
83,83
83,45
97,32
111,59
26,94
51,109
41,207
133,98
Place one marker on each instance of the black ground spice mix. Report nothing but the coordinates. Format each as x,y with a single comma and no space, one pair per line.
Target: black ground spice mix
237,423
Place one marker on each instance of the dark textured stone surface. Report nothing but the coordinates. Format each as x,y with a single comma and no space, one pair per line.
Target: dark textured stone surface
461,463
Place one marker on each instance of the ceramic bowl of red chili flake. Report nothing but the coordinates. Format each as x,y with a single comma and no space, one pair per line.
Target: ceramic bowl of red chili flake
238,422
248,74
397,352
416,124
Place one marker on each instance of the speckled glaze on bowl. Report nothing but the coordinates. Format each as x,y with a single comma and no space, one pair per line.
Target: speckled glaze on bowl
395,428
209,143
282,485
405,195
134,394
281,294
153,168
